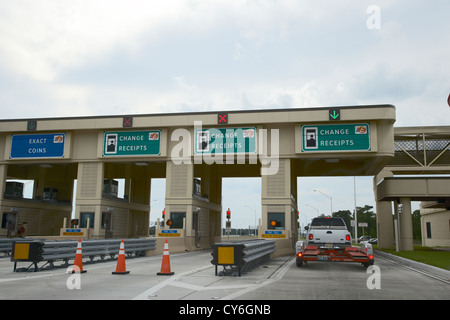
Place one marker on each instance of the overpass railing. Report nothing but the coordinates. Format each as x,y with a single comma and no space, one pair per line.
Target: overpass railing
241,256
48,252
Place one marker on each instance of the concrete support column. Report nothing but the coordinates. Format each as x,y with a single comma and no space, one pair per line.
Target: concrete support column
385,226
89,192
278,206
211,192
3,169
405,225
179,190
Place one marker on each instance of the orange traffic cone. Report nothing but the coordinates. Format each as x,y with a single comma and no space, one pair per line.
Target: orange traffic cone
120,269
165,266
78,263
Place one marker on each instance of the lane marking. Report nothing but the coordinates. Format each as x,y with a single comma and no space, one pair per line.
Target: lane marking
279,275
169,281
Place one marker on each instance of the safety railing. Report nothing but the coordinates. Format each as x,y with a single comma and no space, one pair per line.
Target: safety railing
6,244
241,256
49,252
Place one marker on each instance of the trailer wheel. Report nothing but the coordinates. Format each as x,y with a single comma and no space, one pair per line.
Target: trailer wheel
299,263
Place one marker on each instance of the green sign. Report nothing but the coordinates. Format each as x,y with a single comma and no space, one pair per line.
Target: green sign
132,143
225,141
336,137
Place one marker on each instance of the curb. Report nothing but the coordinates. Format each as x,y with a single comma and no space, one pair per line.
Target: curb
438,272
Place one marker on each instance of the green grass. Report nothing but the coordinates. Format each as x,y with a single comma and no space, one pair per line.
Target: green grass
425,255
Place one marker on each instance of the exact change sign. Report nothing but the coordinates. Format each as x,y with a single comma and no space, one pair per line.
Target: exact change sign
49,145
339,137
225,141
132,143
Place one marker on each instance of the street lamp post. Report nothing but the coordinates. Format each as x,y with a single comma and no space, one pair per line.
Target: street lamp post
329,197
317,210
255,215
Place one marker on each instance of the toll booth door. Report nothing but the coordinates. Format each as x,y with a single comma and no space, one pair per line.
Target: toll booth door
9,222
196,227
107,224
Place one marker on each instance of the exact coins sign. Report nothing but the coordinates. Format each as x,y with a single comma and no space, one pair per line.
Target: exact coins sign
336,137
273,234
132,143
225,141
49,145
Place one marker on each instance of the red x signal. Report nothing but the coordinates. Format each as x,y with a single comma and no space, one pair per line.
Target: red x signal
222,118
127,122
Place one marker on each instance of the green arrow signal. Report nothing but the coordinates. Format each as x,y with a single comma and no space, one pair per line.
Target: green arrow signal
334,115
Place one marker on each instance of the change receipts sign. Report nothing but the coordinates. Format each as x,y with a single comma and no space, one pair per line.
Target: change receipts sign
336,137
132,143
225,141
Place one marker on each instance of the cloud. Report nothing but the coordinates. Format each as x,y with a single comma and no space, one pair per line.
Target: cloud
104,57
97,57
39,39
239,51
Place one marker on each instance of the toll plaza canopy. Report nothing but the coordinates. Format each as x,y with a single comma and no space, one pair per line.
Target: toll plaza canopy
192,151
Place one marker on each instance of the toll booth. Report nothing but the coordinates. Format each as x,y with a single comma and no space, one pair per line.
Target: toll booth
50,199
193,152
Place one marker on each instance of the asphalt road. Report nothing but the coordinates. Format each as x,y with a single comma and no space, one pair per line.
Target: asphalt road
194,279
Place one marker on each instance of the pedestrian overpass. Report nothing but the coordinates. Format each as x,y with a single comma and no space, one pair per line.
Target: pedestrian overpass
193,152
418,172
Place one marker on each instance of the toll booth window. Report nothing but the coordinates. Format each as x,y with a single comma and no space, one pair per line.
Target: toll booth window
177,219
4,220
8,220
428,224
84,216
276,221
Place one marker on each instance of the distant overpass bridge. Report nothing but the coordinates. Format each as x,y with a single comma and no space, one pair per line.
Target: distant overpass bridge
424,154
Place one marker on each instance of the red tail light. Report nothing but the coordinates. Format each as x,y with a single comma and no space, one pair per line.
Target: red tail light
347,237
299,255
310,237
371,257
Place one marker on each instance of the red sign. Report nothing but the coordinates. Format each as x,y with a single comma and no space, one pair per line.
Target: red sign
222,118
127,122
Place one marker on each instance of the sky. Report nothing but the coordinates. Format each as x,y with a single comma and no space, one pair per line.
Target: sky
97,57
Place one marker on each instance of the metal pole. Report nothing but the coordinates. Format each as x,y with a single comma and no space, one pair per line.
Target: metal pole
255,215
356,215
329,197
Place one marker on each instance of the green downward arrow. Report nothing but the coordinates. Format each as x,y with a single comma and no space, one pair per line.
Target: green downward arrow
334,115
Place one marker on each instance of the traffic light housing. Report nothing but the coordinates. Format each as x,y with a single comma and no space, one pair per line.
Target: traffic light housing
228,214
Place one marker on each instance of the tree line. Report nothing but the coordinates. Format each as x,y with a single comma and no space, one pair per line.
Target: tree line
367,215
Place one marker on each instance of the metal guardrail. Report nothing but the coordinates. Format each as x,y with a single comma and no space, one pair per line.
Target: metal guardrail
6,244
241,256
51,251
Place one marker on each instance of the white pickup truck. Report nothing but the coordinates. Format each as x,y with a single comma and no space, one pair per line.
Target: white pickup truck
327,231
329,240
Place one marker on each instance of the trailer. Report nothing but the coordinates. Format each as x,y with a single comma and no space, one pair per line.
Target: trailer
331,253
